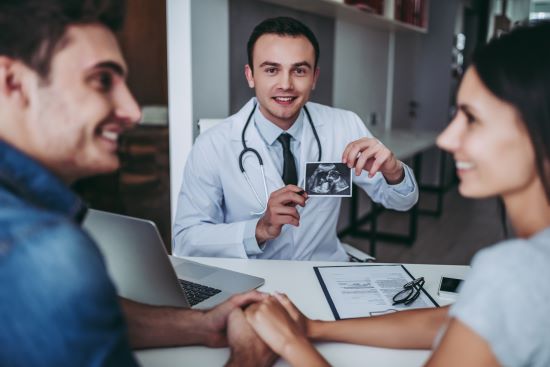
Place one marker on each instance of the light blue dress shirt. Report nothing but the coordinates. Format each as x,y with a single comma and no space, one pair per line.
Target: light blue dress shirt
269,133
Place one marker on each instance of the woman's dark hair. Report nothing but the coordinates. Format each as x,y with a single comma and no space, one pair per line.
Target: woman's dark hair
32,31
282,26
516,69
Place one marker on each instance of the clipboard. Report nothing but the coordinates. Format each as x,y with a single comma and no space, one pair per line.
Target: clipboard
366,290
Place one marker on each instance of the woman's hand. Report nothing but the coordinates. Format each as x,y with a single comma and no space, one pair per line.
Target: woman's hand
284,333
297,316
274,325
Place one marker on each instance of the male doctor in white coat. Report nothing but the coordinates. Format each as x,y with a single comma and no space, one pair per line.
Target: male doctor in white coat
221,213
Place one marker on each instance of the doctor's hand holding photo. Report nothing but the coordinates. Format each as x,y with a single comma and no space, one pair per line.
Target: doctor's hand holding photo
371,155
281,210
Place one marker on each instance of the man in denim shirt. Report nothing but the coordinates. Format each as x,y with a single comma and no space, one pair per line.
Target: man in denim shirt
63,104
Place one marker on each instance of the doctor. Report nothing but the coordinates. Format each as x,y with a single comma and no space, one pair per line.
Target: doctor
242,186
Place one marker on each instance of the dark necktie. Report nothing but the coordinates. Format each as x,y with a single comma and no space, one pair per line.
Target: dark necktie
290,177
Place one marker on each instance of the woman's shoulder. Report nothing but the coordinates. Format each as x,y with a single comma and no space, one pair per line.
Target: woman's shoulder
511,277
501,299
516,252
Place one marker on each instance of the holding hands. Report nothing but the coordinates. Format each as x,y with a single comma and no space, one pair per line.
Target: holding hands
283,328
247,349
371,155
214,322
275,326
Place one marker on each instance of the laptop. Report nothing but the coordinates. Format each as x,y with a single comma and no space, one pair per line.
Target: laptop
141,270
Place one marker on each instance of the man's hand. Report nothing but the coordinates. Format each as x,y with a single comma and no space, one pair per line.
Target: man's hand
281,210
215,320
371,155
247,349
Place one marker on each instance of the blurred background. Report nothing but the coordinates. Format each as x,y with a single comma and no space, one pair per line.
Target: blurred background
396,63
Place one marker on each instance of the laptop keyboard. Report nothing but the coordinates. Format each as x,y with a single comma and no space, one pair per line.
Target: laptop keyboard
196,293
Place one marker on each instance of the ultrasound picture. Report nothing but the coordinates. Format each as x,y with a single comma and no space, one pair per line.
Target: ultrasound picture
328,179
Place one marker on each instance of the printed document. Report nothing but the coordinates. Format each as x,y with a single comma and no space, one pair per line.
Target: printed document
367,290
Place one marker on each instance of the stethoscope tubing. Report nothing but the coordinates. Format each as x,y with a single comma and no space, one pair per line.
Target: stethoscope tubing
260,160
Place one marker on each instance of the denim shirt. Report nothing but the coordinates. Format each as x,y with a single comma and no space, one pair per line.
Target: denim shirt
58,306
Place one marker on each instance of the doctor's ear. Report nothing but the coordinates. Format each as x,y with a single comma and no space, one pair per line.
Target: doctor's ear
12,76
315,77
249,74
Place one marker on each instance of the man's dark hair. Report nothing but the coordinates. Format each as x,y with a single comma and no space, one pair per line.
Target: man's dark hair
282,26
32,31
516,69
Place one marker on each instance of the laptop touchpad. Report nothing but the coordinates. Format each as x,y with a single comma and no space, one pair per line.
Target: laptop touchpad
192,270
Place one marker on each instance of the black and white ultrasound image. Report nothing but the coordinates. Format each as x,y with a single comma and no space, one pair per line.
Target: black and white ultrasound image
328,179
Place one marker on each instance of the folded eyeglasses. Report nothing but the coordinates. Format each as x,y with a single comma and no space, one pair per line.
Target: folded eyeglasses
410,292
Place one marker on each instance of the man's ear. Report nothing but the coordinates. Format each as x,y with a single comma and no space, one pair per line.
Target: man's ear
249,74
11,80
315,77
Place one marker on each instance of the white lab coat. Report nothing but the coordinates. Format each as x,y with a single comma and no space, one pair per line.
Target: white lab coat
215,201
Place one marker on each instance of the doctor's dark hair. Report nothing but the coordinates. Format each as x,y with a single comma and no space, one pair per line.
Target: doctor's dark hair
516,69
33,31
282,26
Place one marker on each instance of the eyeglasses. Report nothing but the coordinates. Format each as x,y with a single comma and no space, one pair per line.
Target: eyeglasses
410,292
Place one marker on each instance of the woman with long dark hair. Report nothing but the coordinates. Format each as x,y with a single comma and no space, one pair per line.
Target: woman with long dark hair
500,140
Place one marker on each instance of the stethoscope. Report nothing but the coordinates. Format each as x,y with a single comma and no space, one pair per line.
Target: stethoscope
261,162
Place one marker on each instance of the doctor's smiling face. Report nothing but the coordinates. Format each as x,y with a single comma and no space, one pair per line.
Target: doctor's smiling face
283,74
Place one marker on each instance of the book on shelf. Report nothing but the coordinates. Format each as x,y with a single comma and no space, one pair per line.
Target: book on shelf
370,6
412,12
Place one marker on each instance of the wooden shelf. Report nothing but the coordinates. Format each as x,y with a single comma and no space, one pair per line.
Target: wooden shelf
337,9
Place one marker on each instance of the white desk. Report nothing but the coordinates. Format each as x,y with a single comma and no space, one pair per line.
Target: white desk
406,143
298,280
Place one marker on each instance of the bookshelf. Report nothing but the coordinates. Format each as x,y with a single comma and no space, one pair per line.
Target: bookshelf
338,9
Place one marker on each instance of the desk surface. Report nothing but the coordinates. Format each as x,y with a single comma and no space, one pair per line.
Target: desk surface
405,143
297,279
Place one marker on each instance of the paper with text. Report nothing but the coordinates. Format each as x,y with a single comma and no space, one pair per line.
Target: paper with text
367,290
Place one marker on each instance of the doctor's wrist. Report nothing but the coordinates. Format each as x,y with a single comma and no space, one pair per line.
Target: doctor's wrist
395,176
262,234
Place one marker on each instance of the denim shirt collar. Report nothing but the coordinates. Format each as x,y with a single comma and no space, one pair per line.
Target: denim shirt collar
31,181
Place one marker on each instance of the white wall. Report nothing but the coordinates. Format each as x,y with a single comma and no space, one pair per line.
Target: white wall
180,106
210,59
360,69
198,75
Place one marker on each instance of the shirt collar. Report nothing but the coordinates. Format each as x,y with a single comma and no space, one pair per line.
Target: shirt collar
31,181
270,132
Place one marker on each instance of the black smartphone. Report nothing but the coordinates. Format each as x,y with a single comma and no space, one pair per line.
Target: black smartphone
448,287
